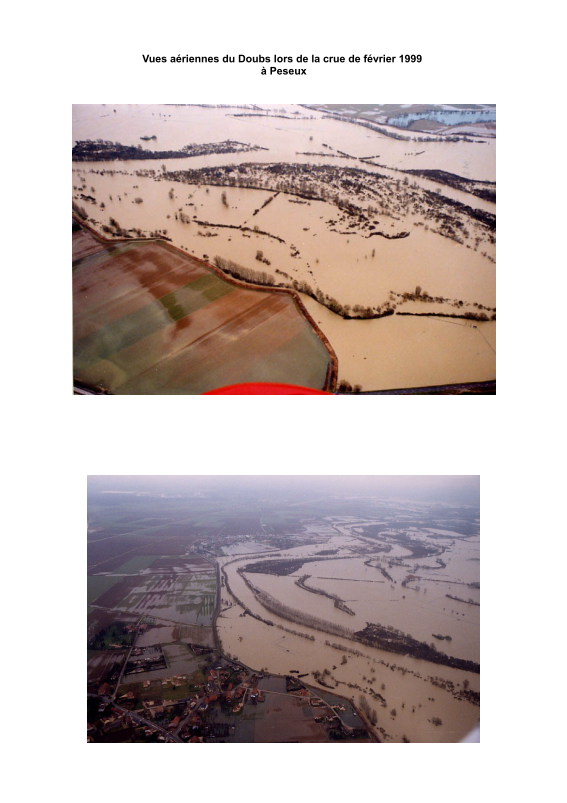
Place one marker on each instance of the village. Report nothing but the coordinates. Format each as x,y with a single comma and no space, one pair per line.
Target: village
227,706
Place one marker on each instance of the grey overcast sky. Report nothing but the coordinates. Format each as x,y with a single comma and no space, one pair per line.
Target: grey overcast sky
455,488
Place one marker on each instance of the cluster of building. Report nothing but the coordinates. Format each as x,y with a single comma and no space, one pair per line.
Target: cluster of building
175,681
116,725
137,628
145,659
228,687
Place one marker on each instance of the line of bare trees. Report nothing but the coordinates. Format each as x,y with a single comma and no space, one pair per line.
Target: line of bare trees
299,617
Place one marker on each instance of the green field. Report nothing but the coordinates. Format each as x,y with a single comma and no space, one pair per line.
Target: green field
134,565
113,634
96,586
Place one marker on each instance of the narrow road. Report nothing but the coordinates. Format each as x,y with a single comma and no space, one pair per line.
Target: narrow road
217,601
137,718
127,657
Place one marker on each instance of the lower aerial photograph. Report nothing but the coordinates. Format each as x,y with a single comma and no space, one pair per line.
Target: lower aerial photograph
283,609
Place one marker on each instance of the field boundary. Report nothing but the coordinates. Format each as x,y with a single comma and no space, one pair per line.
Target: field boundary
488,387
332,375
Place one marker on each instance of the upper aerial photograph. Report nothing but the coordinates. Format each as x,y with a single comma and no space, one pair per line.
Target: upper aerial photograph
284,248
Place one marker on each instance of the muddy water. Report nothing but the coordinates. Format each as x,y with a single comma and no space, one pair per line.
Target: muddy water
364,271
405,352
289,141
285,139
280,651
421,610
219,159
393,352
246,547
352,268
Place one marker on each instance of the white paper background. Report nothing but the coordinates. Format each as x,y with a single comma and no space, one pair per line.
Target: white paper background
69,53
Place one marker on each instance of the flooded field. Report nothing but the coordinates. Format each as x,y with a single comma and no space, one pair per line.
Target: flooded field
445,117
409,688
374,600
182,599
166,633
186,599
404,352
180,661
422,609
434,599
362,224
100,662
250,547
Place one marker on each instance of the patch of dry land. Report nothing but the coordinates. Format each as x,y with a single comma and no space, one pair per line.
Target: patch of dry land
386,230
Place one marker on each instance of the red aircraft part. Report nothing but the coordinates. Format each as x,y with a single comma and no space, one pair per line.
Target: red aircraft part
264,389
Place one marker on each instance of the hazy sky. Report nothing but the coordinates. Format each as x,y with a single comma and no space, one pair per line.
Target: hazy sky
456,488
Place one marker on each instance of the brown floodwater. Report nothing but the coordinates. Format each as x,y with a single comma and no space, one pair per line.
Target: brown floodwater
405,352
420,610
278,651
392,352
285,139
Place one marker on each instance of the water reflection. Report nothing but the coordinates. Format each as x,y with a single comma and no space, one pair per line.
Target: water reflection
445,117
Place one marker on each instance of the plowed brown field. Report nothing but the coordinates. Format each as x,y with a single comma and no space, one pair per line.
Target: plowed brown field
149,320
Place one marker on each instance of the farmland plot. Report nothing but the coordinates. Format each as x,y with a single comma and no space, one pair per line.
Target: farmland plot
181,598
148,320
